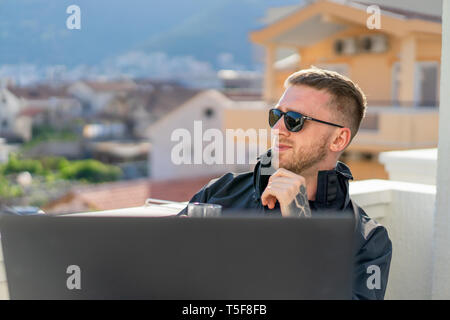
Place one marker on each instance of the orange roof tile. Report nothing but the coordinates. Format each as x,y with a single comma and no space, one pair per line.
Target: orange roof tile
127,194
115,195
31,111
179,189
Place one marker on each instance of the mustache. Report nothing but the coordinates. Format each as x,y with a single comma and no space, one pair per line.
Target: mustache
285,142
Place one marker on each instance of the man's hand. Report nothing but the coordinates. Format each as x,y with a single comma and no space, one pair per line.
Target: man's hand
289,189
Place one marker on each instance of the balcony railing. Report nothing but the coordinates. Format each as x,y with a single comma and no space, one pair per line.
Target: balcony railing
397,128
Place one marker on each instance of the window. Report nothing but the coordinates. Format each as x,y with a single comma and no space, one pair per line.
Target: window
396,83
427,84
209,112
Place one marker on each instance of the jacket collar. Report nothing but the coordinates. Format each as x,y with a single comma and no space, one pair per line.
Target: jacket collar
332,185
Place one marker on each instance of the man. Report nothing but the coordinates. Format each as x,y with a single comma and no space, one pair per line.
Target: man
315,120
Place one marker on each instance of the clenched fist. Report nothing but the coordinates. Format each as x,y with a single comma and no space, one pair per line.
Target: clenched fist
289,189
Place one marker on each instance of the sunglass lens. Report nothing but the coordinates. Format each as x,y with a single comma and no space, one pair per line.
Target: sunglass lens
274,116
293,121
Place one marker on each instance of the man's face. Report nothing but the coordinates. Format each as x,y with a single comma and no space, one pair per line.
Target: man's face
303,150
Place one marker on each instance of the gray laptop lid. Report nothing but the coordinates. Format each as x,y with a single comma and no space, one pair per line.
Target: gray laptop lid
178,258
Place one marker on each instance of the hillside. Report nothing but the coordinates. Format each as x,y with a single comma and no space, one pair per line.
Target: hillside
34,31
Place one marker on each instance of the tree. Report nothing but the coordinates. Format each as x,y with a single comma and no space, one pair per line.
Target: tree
90,171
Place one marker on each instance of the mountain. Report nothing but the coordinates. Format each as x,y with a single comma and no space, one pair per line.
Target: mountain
223,28
215,31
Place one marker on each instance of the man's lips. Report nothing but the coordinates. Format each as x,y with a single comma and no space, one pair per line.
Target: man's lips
282,147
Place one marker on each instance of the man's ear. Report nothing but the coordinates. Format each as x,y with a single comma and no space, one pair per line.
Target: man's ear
340,139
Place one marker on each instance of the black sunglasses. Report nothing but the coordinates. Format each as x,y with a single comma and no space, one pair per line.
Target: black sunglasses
293,120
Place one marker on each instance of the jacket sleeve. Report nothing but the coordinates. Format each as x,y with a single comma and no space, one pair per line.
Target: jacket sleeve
372,260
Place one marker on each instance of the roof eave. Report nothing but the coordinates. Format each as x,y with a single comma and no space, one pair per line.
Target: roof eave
392,23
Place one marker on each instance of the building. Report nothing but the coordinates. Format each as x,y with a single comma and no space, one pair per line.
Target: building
13,126
397,66
103,196
45,104
152,101
397,63
181,138
245,82
94,96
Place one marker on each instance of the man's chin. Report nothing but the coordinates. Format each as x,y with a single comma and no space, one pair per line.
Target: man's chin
284,162
279,159
287,161
285,156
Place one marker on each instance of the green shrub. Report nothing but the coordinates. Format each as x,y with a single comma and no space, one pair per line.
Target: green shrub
54,163
54,168
16,165
90,171
8,190
49,133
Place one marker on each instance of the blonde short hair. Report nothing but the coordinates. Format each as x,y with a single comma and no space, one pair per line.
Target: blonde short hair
348,100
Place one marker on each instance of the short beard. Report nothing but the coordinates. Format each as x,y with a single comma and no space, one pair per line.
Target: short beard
302,161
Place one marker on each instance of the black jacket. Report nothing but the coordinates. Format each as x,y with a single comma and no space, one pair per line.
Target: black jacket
372,244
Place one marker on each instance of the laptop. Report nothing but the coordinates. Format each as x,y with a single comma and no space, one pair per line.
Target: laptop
234,257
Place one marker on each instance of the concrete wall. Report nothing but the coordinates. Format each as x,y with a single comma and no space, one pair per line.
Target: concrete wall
406,210
3,284
417,166
441,259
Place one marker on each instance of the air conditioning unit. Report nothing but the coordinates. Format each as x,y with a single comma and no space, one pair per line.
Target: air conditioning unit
373,43
345,46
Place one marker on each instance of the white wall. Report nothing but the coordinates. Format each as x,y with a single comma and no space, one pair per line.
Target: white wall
161,165
10,106
406,210
441,259
3,285
4,151
417,166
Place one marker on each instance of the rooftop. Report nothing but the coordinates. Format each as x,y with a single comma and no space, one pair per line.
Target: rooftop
125,194
39,91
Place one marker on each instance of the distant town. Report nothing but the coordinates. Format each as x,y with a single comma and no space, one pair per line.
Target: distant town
60,139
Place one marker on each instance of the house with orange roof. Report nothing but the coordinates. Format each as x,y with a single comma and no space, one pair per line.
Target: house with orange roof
397,63
395,60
